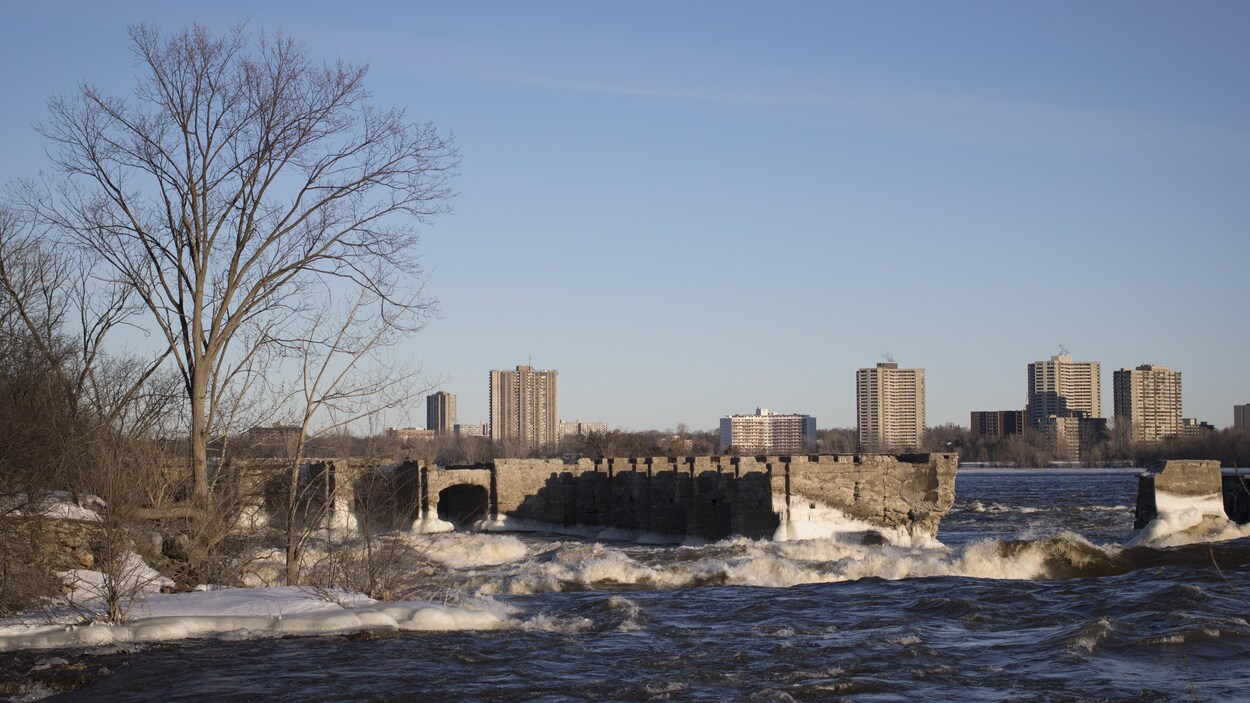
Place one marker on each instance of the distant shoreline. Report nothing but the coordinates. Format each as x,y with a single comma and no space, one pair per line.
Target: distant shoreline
1063,469
1088,469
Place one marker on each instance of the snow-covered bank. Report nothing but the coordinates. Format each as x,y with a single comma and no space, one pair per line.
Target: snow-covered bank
245,613
57,505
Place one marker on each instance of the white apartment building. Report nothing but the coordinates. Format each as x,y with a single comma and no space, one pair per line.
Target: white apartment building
768,433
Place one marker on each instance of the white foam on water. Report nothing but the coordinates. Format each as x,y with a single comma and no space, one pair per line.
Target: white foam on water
340,518
1183,520
1165,640
747,562
430,524
467,549
1091,635
1214,530
552,623
635,618
576,566
505,523
976,506
805,519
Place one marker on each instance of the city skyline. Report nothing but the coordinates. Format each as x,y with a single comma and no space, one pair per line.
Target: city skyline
1044,376
641,168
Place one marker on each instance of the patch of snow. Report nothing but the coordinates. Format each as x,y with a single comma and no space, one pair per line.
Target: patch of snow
88,588
58,505
255,612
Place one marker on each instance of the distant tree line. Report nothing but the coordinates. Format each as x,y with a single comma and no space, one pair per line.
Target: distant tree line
1230,446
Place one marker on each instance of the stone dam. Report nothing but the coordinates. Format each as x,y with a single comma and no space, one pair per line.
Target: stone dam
881,496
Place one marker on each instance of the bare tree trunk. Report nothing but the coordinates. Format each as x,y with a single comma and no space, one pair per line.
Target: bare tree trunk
199,440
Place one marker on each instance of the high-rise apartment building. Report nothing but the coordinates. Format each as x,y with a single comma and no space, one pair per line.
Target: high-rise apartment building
889,408
440,413
1062,387
768,433
1241,415
1148,400
523,407
996,424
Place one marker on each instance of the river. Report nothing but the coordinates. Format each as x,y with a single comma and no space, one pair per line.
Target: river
1030,597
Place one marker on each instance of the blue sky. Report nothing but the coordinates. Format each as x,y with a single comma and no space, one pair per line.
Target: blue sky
697,208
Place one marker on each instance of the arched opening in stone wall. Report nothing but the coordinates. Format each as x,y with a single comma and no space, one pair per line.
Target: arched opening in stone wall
463,504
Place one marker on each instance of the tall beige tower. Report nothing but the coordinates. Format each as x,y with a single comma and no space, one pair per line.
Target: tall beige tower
889,408
523,407
1061,388
440,412
1148,398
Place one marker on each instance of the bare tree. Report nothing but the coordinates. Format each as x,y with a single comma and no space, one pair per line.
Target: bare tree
238,175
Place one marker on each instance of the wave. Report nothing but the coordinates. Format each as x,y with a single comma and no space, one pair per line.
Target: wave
1091,635
506,564
992,508
579,566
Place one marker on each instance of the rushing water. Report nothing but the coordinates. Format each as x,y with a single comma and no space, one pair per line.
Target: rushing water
1032,598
